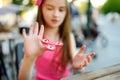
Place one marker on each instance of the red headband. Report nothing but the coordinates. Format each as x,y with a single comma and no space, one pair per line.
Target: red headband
38,3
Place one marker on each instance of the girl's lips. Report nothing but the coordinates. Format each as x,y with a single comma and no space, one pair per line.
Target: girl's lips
55,21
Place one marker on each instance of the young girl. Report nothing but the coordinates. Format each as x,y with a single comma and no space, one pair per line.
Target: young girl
50,44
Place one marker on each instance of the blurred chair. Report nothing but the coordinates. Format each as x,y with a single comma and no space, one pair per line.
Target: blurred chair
19,53
3,70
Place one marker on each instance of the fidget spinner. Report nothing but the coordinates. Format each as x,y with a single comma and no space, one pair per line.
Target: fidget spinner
49,45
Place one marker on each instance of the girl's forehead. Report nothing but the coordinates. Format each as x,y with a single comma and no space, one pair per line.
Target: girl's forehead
55,2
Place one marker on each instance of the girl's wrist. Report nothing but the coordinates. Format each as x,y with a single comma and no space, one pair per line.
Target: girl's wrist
29,59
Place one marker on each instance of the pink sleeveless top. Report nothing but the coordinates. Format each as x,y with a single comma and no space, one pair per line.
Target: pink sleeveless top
45,66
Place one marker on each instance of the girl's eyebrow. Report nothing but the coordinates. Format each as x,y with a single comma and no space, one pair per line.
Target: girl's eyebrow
49,5
53,6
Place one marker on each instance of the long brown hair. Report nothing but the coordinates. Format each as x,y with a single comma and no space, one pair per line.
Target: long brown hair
64,32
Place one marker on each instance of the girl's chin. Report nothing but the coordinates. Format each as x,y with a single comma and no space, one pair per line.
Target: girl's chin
55,25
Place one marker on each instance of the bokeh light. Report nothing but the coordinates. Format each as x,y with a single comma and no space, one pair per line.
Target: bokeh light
98,3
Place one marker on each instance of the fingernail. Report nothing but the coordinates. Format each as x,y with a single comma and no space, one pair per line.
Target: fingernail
84,45
36,23
93,54
42,26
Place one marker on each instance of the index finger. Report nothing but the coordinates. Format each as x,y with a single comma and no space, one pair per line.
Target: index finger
82,50
41,32
92,54
24,33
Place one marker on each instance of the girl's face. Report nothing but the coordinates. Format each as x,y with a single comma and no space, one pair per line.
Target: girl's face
54,12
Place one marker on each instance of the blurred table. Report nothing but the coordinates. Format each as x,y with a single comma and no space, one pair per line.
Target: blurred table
107,73
11,37
8,36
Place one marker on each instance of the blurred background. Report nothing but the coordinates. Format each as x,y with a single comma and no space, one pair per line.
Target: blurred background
95,23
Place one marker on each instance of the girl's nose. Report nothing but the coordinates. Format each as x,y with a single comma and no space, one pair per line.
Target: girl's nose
56,13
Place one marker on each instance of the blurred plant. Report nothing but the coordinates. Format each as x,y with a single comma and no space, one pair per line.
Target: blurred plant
111,6
25,3
82,7
18,2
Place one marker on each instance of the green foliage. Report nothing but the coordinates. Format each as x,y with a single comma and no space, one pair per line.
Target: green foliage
111,6
20,2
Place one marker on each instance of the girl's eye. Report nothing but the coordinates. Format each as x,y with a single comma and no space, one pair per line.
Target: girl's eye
62,10
50,8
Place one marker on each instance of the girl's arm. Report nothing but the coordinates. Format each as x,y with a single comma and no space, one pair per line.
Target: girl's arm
33,47
26,69
73,45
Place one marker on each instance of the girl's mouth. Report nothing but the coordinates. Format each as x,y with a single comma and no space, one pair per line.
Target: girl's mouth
55,21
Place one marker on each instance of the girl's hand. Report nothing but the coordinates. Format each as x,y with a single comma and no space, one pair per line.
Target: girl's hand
81,60
32,42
